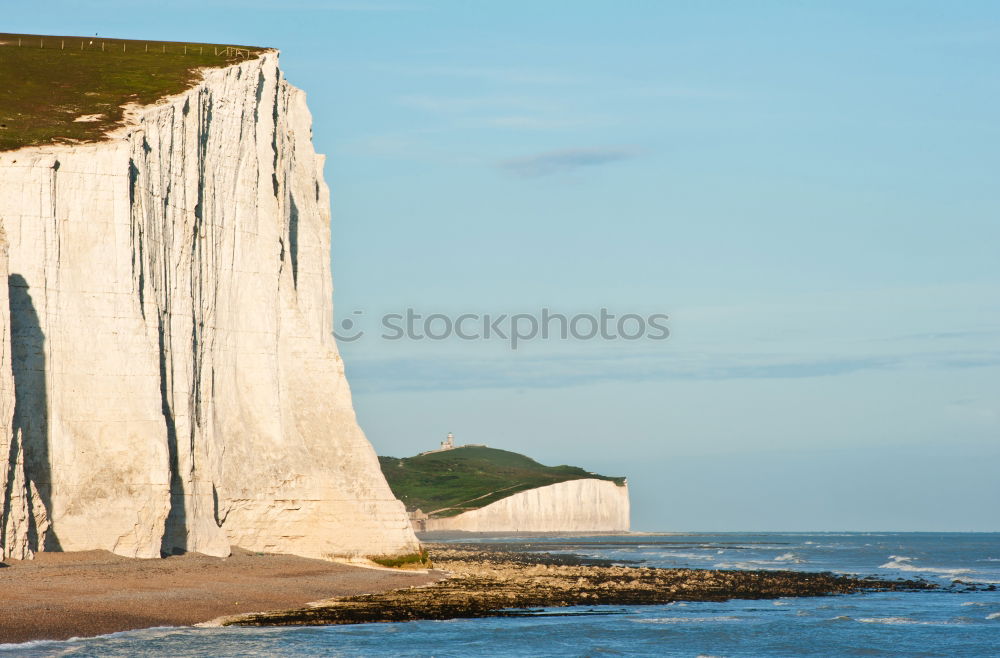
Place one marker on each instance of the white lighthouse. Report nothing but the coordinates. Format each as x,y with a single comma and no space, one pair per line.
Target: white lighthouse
449,442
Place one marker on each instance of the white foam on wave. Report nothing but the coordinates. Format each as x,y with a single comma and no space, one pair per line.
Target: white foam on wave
740,565
780,563
995,615
686,556
905,621
887,620
22,646
896,560
903,563
686,620
19,647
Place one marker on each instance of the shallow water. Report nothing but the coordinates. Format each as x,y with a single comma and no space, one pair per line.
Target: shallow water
937,623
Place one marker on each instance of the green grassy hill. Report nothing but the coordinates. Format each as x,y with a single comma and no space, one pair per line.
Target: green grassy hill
48,81
454,481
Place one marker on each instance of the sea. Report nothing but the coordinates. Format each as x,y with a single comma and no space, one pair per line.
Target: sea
954,621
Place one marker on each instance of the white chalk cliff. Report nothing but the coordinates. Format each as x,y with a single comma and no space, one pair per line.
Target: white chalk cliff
585,505
168,376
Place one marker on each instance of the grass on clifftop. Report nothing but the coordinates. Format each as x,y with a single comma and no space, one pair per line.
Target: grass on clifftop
47,82
454,481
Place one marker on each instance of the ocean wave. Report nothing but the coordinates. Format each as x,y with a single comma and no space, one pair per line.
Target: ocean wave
20,647
789,557
750,566
903,563
687,556
995,615
23,646
686,620
778,564
896,560
906,621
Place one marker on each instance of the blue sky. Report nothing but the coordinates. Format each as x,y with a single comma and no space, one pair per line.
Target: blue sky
811,191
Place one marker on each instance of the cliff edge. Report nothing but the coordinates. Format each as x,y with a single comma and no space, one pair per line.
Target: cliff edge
482,489
168,377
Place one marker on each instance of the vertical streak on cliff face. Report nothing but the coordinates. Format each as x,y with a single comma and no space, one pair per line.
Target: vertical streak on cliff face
293,239
274,133
135,235
174,530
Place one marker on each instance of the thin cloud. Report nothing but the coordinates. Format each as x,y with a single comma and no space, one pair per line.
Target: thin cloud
457,373
945,335
565,161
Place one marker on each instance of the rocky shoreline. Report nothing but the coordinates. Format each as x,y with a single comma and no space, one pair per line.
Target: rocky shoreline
507,581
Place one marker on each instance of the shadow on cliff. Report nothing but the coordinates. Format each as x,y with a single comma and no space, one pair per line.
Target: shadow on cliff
174,540
31,412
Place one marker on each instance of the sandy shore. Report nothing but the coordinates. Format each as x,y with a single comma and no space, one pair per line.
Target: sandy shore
62,595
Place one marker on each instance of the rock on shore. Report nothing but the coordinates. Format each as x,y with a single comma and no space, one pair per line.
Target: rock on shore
493,582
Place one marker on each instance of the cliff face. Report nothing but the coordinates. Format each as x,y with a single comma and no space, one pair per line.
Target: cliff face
171,381
587,505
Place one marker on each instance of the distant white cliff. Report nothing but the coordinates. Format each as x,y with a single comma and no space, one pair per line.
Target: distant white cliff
585,505
168,377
